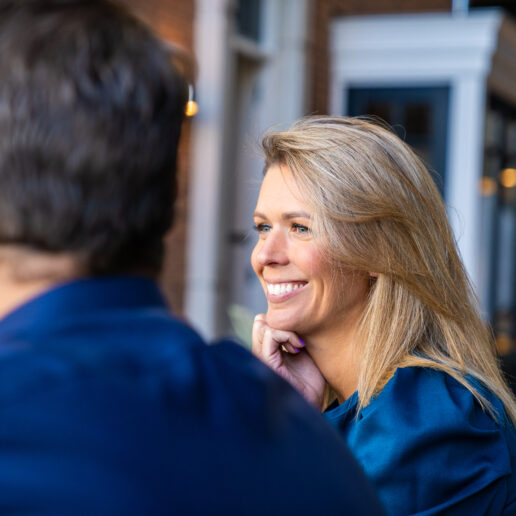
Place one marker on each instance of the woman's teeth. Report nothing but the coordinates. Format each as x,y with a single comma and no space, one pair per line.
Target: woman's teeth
282,288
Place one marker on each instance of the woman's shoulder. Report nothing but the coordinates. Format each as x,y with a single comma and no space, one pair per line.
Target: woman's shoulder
430,405
438,398
427,432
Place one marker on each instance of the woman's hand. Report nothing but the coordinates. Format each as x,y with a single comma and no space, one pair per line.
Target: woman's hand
284,353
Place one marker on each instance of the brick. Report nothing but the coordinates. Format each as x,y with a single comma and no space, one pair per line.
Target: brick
172,20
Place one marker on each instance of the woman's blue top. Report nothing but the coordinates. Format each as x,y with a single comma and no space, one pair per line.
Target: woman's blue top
429,448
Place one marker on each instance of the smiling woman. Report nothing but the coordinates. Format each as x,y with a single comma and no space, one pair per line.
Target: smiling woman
304,293
298,278
368,301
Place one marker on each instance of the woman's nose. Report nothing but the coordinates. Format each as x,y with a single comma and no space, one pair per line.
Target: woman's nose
273,249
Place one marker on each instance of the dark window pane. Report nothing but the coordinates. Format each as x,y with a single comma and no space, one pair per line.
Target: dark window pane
379,109
417,119
248,18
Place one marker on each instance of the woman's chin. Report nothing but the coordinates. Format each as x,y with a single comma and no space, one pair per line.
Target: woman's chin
282,321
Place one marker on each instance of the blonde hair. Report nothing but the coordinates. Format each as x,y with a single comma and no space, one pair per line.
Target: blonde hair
377,209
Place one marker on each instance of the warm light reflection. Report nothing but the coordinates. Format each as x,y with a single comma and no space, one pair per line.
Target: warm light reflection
508,177
191,108
503,343
487,186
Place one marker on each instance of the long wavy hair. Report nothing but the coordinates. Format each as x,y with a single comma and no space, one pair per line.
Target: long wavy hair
377,209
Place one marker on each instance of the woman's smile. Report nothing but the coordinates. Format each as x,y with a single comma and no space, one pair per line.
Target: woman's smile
280,291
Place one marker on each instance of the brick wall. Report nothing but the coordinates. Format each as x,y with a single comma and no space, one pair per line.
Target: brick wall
325,10
173,21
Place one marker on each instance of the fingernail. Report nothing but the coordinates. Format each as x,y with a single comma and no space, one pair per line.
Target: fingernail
297,349
302,343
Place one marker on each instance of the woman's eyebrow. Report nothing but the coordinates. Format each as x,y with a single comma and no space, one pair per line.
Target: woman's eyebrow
286,216
296,215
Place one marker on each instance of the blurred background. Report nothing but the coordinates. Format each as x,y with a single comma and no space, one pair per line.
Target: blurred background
442,72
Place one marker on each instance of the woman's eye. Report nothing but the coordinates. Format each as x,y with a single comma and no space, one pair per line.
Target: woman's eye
300,229
262,228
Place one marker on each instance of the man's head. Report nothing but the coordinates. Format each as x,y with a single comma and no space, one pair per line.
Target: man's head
90,116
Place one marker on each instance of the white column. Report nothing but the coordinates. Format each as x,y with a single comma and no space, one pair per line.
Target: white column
285,78
465,156
203,235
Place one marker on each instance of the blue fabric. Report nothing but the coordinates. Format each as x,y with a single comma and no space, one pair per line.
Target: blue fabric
429,448
110,406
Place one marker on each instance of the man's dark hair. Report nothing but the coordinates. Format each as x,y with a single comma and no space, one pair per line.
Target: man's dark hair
90,115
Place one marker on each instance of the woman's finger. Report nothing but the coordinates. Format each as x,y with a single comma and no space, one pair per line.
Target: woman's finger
259,326
273,339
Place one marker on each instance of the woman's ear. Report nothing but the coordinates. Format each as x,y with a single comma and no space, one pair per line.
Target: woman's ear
373,275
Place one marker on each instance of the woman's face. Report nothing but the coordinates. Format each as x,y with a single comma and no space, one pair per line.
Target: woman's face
305,292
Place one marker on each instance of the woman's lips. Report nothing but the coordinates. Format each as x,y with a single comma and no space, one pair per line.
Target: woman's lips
277,292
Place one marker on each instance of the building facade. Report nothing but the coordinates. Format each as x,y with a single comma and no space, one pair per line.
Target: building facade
441,70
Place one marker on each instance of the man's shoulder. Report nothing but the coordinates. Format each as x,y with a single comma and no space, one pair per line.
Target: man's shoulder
102,348
147,354
147,404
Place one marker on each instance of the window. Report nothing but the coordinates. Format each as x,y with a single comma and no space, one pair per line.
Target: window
418,115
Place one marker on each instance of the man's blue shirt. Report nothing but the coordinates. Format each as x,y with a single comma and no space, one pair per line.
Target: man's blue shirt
109,405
